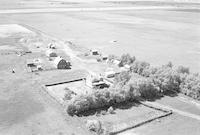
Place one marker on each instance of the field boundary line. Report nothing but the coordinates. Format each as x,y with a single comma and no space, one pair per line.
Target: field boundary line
183,113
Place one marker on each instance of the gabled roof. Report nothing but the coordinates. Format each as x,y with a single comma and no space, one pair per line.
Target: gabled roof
57,60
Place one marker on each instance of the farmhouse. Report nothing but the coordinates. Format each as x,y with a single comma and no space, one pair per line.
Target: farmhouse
61,63
51,53
94,81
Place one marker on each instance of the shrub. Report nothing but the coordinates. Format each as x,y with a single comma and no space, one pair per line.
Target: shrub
145,86
169,64
126,59
147,72
122,78
110,110
94,125
183,70
71,109
190,85
166,79
68,94
100,98
139,67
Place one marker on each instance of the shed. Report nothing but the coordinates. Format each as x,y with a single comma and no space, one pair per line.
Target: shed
61,63
51,53
30,63
104,57
94,52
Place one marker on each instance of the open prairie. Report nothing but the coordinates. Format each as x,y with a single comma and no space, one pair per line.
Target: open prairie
156,36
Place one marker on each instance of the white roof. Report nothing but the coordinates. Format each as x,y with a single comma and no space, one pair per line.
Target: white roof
127,66
51,53
109,73
57,60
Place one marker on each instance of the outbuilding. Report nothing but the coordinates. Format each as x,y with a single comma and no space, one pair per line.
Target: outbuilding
61,63
51,53
104,57
94,52
30,63
94,81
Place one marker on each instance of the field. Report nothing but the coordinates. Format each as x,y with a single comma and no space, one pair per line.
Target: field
145,34
174,124
156,32
25,108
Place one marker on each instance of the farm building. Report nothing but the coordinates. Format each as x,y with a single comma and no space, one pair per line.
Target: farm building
94,81
51,46
94,52
30,63
104,57
51,53
61,63
125,68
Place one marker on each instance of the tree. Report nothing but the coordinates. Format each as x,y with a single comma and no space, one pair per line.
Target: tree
126,59
122,78
166,79
139,67
183,70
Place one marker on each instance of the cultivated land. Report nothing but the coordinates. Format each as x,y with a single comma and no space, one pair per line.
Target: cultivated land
156,36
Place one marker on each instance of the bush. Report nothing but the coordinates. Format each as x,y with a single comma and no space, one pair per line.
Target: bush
126,59
183,70
166,79
110,110
145,86
100,98
147,72
190,85
94,125
122,78
139,66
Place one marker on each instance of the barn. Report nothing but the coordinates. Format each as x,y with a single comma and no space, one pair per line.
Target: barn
61,63
51,53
